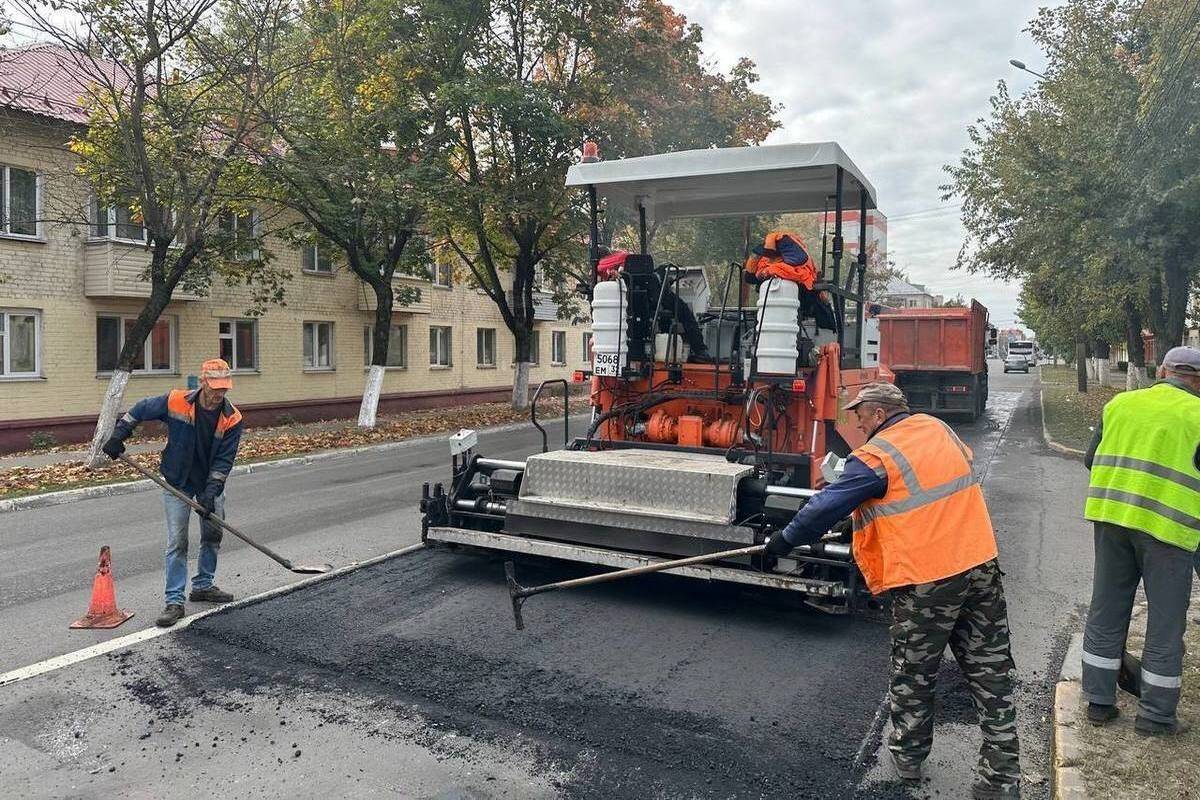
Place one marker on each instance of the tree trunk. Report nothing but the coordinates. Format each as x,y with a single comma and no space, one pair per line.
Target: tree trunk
1102,353
107,419
1135,372
521,342
1178,285
135,344
1081,372
380,341
520,395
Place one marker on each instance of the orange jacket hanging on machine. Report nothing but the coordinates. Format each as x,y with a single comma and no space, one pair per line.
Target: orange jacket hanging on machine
783,255
932,522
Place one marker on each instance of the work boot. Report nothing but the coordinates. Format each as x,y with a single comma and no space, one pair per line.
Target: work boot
909,772
170,615
1148,727
1098,714
986,790
210,595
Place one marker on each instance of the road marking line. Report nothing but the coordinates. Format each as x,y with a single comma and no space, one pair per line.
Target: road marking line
122,642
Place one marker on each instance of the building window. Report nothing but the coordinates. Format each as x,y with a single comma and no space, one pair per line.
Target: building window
158,352
19,201
558,348
587,347
485,347
317,258
443,272
397,346
238,340
318,345
20,344
535,347
240,228
440,339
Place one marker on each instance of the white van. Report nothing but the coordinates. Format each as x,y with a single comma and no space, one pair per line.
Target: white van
1027,349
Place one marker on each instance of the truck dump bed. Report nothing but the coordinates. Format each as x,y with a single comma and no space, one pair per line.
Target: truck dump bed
934,339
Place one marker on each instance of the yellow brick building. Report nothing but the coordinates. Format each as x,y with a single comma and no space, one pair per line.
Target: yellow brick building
69,280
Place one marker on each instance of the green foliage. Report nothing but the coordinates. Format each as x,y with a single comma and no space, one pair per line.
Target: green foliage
354,137
546,76
164,119
1085,189
42,440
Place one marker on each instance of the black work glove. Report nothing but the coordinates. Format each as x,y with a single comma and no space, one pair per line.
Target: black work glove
777,545
208,498
114,447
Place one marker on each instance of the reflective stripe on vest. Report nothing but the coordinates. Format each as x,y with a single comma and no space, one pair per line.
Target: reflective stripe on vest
920,498
1143,475
932,522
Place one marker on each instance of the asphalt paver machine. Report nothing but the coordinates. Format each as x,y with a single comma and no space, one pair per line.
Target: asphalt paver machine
688,456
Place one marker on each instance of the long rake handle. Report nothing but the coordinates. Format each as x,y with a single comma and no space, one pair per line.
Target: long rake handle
262,548
519,594
605,577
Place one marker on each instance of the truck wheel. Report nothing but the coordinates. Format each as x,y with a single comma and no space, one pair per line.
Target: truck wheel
973,414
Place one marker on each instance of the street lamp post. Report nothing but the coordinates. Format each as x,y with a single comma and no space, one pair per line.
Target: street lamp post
1021,65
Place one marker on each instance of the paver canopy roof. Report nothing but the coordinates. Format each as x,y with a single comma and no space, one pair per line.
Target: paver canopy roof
772,179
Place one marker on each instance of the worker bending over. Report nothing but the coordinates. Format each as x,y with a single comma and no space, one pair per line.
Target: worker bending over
1144,501
922,532
203,431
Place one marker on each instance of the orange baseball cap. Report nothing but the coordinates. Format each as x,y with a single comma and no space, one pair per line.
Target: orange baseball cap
216,372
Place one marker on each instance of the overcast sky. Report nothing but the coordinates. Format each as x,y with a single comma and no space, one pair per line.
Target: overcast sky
898,94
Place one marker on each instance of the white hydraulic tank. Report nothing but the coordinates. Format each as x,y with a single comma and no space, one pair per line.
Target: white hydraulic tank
610,331
778,327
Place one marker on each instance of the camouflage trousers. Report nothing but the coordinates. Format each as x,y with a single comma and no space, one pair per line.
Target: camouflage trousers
967,612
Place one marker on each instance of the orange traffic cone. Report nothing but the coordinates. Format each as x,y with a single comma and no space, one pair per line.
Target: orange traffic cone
103,611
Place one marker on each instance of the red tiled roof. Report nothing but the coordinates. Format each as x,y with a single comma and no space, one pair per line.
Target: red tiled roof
48,80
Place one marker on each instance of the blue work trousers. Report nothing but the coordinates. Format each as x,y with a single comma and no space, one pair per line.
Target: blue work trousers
178,515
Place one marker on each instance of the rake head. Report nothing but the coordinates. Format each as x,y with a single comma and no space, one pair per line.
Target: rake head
516,593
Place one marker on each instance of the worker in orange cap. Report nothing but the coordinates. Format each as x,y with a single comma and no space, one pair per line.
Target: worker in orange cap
203,432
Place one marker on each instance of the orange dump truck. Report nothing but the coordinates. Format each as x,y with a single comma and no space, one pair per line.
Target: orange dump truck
938,356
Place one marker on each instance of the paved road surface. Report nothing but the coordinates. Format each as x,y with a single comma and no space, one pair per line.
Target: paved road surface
339,510
407,679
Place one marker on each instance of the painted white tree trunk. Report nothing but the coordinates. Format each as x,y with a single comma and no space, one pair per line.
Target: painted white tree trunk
108,418
1102,371
520,395
1135,378
1091,370
370,399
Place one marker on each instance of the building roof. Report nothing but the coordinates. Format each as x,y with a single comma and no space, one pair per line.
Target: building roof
896,286
728,180
50,81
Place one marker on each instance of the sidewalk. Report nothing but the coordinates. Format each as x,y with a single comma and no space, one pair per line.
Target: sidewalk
37,472
1112,761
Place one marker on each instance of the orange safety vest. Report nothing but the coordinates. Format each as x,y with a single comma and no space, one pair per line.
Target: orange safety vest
932,523
772,265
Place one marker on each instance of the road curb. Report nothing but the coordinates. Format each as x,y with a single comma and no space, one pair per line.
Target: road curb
1053,445
127,487
1067,754
1067,717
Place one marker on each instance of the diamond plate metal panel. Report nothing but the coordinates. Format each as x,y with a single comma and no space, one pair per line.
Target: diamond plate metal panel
673,485
675,526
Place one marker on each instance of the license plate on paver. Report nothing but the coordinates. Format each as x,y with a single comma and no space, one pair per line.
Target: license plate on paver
607,364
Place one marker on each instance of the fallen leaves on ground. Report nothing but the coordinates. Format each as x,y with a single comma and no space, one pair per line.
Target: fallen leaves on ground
267,444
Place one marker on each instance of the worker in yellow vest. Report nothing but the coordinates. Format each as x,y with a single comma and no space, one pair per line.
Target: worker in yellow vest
922,533
1144,500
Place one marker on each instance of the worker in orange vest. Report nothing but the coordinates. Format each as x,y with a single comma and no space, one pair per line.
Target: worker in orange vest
922,532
